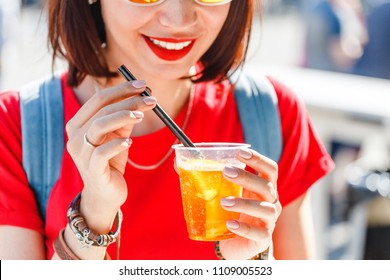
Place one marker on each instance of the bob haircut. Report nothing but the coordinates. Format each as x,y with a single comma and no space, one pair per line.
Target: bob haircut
76,33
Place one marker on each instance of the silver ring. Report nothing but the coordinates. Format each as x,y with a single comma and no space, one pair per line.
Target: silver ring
86,141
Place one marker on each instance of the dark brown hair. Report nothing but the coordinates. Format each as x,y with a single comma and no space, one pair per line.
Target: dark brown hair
76,31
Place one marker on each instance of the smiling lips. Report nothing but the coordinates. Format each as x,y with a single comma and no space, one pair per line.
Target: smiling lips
169,49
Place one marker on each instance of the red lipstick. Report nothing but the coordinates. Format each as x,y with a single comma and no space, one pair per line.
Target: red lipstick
170,54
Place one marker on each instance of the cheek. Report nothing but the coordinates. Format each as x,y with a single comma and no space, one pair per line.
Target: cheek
215,24
121,20
121,29
215,20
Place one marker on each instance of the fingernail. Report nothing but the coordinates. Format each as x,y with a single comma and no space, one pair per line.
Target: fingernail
138,114
233,224
246,154
138,83
228,201
230,172
150,100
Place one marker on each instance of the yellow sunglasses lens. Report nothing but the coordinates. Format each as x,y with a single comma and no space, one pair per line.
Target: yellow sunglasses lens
145,2
211,1
205,2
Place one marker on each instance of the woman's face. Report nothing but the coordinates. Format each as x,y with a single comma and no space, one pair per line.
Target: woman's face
161,41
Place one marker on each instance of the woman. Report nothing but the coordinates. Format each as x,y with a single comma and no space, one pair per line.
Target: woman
118,152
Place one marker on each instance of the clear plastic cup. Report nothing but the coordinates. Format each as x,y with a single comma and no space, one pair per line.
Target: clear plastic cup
203,185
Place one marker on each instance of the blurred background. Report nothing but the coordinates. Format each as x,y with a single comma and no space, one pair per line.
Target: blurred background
335,54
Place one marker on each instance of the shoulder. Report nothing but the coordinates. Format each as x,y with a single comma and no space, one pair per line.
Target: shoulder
288,102
294,117
17,200
9,106
304,159
9,98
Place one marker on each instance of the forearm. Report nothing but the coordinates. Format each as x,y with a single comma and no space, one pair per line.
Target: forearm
87,234
294,233
21,244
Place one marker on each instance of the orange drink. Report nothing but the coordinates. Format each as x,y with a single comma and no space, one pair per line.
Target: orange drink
203,185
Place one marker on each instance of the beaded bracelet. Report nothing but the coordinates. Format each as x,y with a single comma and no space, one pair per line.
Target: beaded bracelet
85,235
260,256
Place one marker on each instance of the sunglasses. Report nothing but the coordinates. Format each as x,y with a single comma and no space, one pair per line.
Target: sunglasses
156,2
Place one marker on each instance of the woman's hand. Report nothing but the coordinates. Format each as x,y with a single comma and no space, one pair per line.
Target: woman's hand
99,141
259,207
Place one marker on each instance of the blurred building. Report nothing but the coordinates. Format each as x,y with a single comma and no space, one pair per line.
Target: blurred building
335,35
375,61
26,3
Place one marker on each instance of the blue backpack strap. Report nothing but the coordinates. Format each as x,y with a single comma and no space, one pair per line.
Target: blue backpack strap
259,114
258,109
42,136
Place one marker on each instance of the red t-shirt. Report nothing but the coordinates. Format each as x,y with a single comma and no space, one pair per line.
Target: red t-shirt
153,225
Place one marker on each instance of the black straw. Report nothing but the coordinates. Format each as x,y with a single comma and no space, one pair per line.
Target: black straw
159,111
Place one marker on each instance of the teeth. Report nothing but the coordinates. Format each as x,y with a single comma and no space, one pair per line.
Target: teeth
169,45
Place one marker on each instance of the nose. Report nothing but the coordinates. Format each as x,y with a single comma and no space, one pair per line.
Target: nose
178,14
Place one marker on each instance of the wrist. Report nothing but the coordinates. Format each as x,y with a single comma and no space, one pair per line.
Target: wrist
79,241
83,232
265,255
97,215
71,244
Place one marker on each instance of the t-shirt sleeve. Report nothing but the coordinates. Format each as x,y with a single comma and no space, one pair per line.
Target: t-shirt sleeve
304,158
17,202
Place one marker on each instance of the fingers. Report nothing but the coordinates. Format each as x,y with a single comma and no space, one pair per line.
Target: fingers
118,115
266,168
101,126
251,182
267,212
110,113
260,235
107,96
137,103
101,131
103,153
124,96
258,222
260,208
263,184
